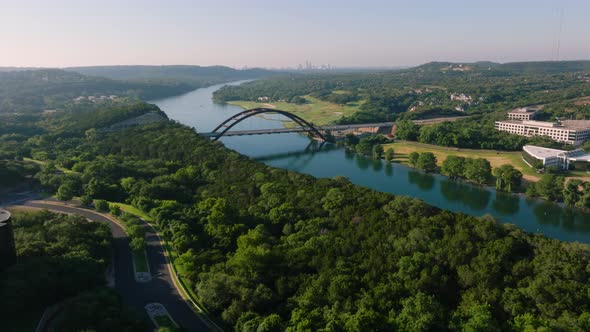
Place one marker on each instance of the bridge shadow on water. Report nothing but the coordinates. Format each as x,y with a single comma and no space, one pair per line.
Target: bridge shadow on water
299,159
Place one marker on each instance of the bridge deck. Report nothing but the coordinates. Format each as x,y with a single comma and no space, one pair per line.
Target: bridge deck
299,129
324,128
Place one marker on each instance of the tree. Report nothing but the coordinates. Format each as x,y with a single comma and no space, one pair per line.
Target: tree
85,200
426,162
364,147
333,200
186,264
377,151
572,192
508,178
115,209
477,318
351,139
453,167
478,170
420,313
407,130
137,244
389,155
271,323
101,205
66,191
584,199
413,158
99,310
550,187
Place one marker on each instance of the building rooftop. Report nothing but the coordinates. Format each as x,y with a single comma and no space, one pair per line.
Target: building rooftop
565,124
578,155
540,123
542,153
4,215
576,124
523,110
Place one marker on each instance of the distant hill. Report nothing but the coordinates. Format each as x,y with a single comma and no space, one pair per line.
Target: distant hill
5,69
35,90
537,67
189,74
547,67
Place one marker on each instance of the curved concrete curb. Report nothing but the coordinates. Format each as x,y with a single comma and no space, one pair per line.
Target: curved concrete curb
142,276
158,310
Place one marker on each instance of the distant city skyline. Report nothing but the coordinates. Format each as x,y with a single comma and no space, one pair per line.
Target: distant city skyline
280,34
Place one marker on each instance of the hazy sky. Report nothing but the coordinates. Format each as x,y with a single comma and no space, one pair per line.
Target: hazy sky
58,33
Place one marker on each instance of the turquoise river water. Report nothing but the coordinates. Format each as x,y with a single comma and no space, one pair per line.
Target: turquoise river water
299,153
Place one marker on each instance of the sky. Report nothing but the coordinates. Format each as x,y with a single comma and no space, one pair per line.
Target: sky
281,33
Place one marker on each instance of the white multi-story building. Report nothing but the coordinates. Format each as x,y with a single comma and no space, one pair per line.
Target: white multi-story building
560,159
574,132
523,113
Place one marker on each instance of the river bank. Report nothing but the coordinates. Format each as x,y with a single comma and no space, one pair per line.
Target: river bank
297,153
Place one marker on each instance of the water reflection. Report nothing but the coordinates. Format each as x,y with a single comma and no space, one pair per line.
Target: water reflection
362,162
475,198
548,213
506,204
349,155
422,180
377,165
451,190
388,169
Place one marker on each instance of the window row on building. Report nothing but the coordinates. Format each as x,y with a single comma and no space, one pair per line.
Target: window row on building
574,132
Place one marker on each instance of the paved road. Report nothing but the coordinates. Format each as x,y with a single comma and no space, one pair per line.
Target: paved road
160,289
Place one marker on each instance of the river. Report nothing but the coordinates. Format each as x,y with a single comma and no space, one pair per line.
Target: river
299,153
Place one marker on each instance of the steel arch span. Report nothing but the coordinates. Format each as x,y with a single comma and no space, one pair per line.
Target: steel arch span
226,125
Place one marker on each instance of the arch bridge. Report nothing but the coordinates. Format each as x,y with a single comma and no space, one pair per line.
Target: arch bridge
225,126
304,126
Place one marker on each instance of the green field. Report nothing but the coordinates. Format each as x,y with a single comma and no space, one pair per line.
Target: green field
496,158
135,211
141,264
165,321
43,163
315,111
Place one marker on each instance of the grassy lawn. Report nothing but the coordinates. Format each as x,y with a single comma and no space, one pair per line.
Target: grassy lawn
141,264
316,111
43,163
135,211
496,158
165,321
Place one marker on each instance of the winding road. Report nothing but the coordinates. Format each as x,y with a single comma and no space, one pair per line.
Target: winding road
161,288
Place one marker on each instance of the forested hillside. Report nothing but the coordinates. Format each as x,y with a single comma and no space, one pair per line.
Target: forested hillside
271,250
430,90
36,90
195,75
33,91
